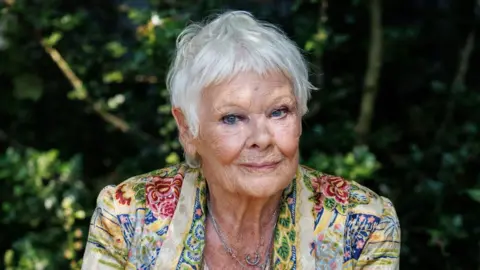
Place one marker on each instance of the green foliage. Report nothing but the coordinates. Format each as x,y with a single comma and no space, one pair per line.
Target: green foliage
42,200
358,164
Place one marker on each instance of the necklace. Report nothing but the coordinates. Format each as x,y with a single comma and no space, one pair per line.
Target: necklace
250,262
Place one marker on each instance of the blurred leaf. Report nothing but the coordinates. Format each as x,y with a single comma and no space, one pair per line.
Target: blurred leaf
173,158
115,101
309,45
80,94
474,194
116,49
113,77
52,40
28,86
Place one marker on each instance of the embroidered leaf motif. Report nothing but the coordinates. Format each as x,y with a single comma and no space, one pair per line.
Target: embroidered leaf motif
284,250
285,222
291,236
139,190
357,198
330,203
342,209
308,183
185,266
276,236
283,209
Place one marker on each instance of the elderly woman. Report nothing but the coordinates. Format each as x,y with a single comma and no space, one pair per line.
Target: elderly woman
239,89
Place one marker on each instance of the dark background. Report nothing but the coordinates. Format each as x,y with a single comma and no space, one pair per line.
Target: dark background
83,104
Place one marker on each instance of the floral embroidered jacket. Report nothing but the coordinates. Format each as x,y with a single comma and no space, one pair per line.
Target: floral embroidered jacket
157,221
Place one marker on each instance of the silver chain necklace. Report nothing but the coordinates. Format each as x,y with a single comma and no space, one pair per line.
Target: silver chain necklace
255,262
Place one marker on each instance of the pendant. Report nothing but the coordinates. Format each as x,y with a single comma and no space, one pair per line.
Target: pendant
253,262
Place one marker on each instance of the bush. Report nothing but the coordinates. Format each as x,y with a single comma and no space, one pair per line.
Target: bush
43,205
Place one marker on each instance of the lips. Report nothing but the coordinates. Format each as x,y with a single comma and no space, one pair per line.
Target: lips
261,165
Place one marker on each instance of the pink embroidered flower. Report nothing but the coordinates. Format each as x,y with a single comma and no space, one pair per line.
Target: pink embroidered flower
371,219
123,219
360,244
320,237
290,201
361,218
198,212
335,187
165,209
163,194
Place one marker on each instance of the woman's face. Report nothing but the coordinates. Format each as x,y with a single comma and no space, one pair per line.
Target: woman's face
249,134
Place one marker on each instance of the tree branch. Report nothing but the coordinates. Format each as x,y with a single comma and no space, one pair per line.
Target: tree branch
458,83
78,86
372,75
315,106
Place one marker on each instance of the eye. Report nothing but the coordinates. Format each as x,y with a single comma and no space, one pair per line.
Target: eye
230,119
279,113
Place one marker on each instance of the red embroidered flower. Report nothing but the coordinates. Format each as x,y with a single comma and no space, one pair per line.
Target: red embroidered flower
120,196
163,194
335,187
165,209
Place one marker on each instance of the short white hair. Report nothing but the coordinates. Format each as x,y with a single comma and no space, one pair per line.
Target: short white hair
232,43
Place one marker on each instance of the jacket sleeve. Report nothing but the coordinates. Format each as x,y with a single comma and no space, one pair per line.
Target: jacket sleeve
382,249
105,248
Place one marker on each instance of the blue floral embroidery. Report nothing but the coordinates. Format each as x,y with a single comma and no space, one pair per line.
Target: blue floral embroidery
360,226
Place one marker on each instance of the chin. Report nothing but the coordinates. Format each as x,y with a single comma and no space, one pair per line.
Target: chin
264,186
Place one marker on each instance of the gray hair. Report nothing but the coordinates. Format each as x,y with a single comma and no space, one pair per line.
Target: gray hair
232,43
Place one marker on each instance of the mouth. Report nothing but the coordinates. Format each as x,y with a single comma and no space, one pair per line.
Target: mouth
261,165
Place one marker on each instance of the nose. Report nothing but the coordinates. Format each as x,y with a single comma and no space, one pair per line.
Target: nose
260,137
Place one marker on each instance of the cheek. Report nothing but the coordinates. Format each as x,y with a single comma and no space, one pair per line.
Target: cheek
223,145
287,137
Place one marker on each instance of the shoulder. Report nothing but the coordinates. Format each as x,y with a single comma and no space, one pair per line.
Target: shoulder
371,227
346,196
143,190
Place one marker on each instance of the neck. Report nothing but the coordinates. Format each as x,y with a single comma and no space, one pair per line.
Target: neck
239,214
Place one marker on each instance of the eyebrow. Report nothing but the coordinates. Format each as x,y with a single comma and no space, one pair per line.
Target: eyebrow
283,98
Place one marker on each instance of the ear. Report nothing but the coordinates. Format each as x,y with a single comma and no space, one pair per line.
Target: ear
301,128
186,137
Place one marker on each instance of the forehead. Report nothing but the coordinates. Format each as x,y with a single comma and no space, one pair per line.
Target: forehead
249,88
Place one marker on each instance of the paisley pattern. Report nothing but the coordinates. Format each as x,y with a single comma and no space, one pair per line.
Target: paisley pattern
157,221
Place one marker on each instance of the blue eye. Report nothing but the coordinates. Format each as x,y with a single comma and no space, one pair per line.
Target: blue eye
279,113
230,119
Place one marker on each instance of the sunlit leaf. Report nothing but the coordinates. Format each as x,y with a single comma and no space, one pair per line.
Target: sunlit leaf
113,77
116,49
173,158
116,101
53,39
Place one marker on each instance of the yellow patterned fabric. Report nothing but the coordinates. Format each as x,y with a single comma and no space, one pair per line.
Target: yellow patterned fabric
157,221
